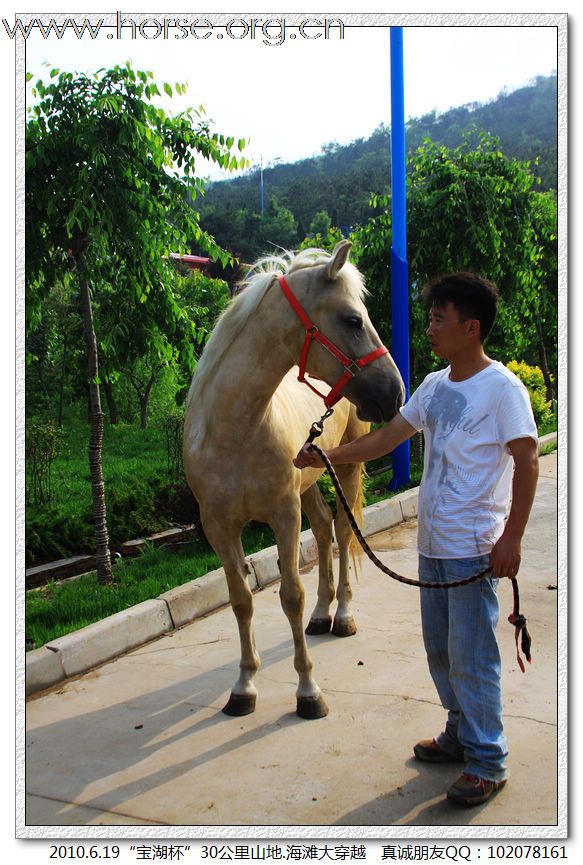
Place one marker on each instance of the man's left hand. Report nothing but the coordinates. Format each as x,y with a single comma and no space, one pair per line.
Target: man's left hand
505,557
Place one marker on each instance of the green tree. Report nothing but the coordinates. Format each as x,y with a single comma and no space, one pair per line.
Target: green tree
278,227
326,241
110,181
472,208
54,347
535,310
321,223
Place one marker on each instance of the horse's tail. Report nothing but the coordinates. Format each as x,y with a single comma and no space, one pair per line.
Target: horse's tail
354,429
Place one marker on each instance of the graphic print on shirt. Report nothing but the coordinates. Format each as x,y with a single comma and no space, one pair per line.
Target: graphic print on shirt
447,412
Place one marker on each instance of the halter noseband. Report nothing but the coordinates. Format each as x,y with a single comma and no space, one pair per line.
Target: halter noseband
352,366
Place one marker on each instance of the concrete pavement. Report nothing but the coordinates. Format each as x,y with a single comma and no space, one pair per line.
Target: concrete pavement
141,740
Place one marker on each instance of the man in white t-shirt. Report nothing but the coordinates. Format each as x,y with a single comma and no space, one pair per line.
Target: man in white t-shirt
481,453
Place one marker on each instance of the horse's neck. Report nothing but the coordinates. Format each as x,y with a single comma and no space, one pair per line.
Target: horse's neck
253,367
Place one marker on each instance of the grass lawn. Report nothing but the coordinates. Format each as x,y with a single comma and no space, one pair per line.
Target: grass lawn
128,453
141,495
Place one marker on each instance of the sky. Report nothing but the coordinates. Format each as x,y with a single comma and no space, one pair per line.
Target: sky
287,94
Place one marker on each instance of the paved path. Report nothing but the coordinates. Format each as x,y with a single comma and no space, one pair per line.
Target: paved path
142,741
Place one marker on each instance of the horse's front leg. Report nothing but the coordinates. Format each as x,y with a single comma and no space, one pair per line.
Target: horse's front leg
227,544
286,526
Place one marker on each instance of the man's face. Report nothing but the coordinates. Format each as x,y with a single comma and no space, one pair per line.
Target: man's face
447,333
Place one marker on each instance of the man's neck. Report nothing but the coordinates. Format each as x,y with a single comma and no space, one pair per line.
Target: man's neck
467,366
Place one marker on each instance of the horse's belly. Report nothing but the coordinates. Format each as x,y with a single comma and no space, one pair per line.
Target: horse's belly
240,484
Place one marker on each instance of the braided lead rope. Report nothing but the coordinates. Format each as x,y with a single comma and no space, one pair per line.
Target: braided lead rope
515,618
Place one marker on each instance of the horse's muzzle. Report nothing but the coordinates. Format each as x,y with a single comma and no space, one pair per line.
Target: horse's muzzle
377,398
377,412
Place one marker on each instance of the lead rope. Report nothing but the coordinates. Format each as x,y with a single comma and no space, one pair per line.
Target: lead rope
515,618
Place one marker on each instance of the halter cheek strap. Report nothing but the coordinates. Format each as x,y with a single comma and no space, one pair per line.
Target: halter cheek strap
352,366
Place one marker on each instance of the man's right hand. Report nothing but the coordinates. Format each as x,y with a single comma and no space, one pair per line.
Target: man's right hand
308,459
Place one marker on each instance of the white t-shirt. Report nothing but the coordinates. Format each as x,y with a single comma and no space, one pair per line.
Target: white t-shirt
467,475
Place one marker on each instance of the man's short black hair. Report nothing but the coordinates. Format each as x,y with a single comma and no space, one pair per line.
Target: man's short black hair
471,295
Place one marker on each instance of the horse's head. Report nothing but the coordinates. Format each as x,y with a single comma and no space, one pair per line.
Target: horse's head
330,295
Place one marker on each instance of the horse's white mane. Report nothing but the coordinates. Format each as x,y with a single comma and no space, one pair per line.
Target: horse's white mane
253,289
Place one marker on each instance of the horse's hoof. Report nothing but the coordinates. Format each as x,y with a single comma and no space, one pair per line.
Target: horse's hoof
240,704
312,707
344,627
319,626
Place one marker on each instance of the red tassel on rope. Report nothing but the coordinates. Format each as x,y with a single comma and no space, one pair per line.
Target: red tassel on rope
519,622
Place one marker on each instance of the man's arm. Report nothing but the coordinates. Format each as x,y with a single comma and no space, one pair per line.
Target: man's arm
505,557
368,447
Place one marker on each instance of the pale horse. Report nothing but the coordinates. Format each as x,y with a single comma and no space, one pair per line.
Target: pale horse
248,415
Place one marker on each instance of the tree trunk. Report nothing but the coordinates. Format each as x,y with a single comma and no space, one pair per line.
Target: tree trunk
111,403
104,574
62,383
144,400
143,394
143,412
542,353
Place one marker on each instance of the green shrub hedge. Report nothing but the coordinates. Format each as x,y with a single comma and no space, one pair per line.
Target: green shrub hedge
542,408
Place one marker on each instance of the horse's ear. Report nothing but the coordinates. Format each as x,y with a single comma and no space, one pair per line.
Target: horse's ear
339,259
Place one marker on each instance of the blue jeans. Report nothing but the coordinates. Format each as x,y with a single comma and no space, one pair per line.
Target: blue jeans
464,661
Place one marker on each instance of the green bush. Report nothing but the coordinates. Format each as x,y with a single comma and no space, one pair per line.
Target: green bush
176,503
326,487
533,380
53,534
131,509
172,424
43,441
135,507
329,493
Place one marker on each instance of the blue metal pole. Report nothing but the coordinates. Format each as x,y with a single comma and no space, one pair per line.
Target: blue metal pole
399,266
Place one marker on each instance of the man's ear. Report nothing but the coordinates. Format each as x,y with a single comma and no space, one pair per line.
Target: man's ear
339,259
473,327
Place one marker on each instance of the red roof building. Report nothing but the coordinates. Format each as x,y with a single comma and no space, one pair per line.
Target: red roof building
193,262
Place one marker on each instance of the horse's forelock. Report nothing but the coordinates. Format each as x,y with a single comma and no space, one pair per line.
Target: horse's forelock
285,263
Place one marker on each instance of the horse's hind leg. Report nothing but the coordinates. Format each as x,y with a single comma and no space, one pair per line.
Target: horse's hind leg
286,525
350,480
320,517
227,545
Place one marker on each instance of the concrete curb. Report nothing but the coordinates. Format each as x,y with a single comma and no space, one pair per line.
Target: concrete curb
80,651
550,439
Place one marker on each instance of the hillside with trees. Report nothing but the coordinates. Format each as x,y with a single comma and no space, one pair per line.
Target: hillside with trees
339,182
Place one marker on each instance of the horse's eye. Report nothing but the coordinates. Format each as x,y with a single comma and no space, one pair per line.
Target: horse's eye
354,321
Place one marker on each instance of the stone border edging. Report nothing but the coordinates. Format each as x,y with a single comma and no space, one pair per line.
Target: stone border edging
115,635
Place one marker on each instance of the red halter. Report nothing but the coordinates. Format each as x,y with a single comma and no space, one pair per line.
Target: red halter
352,366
